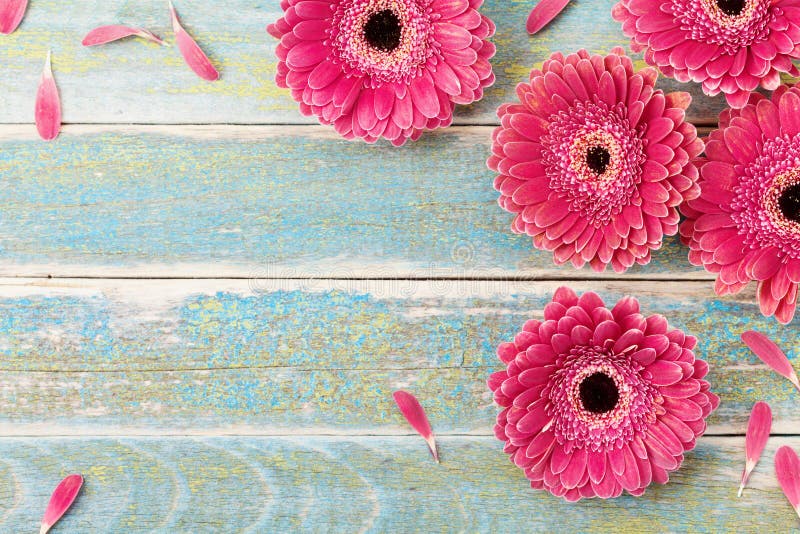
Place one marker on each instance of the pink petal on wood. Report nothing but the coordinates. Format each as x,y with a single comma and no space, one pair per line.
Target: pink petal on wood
543,13
11,13
771,354
62,498
787,469
414,413
192,53
115,32
758,429
48,105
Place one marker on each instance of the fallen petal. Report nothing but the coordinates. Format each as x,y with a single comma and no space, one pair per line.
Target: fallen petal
62,498
11,13
787,469
192,53
48,105
543,13
115,32
758,429
771,354
414,413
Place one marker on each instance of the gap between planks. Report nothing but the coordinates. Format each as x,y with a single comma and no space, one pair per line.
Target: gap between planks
701,125
25,431
24,131
179,288
444,278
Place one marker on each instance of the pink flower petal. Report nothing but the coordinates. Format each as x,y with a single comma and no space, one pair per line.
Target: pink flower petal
63,497
543,13
11,13
769,353
48,105
423,94
758,429
787,469
115,32
414,413
192,53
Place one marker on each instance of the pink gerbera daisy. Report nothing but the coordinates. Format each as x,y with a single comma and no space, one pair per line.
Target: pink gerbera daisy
730,46
597,401
746,224
383,68
594,160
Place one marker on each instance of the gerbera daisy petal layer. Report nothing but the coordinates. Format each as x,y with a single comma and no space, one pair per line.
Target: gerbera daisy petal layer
597,401
383,68
730,46
594,160
745,226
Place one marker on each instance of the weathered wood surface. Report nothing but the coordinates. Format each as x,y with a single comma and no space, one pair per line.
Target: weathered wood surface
136,82
270,202
361,484
309,356
258,398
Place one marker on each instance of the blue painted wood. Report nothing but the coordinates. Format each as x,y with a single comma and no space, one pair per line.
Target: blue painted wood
367,484
286,385
205,355
133,81
268,203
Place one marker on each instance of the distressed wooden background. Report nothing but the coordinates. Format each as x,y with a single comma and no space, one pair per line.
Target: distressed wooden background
206,301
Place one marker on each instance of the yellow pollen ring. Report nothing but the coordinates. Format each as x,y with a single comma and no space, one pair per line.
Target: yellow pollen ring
600,420
772,200
582,143
732,22
381,59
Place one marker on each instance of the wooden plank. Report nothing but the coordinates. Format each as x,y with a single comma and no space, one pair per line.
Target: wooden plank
268,355
376,484
134,82
269,202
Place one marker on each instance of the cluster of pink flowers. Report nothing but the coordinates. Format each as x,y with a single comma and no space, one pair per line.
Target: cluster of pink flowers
597,165
745,225
595,162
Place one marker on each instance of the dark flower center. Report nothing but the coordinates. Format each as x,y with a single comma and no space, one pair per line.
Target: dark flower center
789,202
598,158
599,393
731,7
382,30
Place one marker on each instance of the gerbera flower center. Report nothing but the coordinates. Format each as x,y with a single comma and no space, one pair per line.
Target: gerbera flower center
382,30
599,393
766,205
383,41
731,7
731,24
593,159
598,158
789,203
598,398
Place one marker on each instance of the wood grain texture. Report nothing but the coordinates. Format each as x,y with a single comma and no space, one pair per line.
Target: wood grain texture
266,356
259,399
361,484
268,202
138,82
